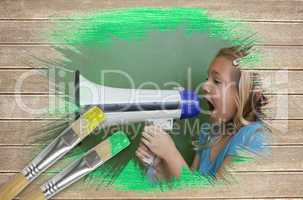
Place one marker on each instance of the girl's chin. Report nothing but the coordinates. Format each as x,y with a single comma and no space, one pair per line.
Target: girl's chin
213,116
214,120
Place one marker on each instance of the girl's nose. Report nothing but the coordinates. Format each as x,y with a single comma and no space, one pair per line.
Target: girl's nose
206,88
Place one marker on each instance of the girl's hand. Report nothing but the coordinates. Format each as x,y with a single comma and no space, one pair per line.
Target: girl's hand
159,142
144,154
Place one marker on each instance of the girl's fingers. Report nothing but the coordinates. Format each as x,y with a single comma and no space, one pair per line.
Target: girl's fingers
146,142
143,152
147,136
153,129
145,159
139,155
144,148
157,161
150,129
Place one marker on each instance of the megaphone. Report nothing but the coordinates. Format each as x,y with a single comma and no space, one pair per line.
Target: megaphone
123,106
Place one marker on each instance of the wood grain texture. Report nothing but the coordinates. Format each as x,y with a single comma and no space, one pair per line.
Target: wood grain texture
245,185
281,57
25,56
261,10
23,132
24,81
18,106
30,106
15,158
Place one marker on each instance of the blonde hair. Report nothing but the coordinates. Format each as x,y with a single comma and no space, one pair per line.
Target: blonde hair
249,98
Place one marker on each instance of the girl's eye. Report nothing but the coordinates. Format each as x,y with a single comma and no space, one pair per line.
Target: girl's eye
217,81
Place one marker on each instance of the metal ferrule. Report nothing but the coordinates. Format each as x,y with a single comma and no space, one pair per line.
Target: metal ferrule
71,174
53,152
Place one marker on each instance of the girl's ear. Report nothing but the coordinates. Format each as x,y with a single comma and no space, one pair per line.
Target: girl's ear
258,95
259,100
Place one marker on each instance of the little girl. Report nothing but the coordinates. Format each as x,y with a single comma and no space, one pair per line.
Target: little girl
234,101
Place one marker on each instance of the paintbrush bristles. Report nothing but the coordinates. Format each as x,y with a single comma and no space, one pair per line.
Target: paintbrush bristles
104,150
13,187
112,145
34,195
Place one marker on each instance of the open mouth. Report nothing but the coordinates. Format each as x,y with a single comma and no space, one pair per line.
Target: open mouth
211,106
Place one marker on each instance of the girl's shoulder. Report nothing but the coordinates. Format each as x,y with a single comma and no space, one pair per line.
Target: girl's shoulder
252,126
252,138
248,130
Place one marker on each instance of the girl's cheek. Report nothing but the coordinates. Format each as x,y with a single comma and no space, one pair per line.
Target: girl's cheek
232,107
226,108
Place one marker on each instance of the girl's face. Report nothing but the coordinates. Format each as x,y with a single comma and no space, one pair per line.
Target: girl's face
221,89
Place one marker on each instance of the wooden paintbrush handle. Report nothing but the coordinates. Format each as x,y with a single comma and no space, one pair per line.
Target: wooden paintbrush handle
34,195
13,187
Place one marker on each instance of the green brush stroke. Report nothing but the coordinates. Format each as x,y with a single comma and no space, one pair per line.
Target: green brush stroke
143,42
132,24
132,179
136,23
242,159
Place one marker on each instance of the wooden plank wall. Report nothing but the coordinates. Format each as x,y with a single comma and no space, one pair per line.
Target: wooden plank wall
279,22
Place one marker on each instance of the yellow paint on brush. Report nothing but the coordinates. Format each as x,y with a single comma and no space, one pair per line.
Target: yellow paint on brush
88,121
93,117
13,187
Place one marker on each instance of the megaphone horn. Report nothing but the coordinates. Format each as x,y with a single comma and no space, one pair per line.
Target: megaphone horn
143,103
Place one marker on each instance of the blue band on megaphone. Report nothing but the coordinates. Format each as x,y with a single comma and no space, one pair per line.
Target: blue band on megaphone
190,105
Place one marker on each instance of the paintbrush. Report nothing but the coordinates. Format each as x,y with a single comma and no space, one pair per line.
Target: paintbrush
67,140
88,163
